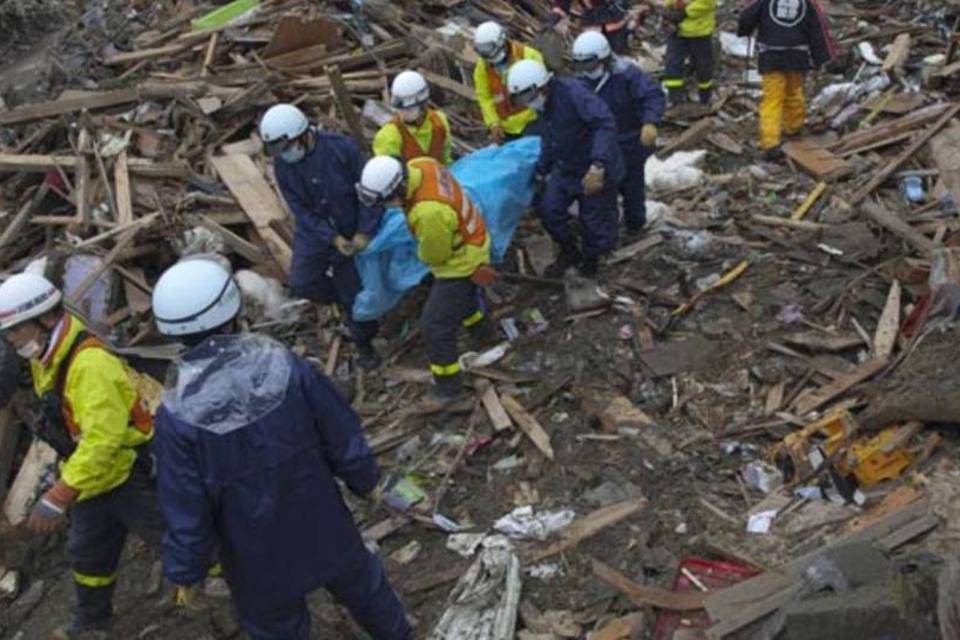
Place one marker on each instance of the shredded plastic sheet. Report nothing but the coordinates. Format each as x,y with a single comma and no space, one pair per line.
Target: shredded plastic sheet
231,382
500,182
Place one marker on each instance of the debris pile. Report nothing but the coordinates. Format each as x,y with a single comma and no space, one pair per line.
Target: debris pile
747,425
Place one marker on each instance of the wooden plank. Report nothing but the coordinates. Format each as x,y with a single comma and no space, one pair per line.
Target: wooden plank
498,415
124,241
585,528
344,100
623,628
625,253
889,129
816,160
898,227
700,130
945,149
808,402
643,595
384,528
121,179
528,424
22,217
881,176
258,201
33,163
23,492
898,53
248,250
91,102
146,54
449,84
614,410
885,337
735,607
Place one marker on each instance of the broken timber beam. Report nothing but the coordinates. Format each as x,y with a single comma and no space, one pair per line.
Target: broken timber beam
643,595
39,111
690,137
905,155
585,528
894,224
344,100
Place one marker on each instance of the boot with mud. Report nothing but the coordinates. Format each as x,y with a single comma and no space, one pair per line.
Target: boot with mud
447,395
588,267
567,258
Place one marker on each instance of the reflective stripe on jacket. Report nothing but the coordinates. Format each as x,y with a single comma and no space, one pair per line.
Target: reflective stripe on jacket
102,409
492,94
450,231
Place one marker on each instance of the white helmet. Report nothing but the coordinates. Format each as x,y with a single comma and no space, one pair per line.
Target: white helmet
381,178
26,296
280,124
590,49
490,42
193,296
409,89
525,79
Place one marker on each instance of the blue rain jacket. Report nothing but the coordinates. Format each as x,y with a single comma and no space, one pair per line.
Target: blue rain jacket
248,441
320,192
578,129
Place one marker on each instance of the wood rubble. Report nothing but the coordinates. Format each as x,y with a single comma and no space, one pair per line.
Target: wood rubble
767,297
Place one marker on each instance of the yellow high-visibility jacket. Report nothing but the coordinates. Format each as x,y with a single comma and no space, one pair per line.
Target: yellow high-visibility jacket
701,18
490,84
436,227
103,401
389,140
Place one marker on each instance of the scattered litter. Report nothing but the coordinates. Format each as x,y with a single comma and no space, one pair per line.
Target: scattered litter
523,524
763,476
761,522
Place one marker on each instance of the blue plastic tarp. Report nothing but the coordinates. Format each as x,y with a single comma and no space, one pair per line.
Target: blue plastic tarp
500,182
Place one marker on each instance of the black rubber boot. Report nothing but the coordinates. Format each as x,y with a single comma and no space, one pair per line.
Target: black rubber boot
706,95
588,267
677,96
566,259
483,334
447,394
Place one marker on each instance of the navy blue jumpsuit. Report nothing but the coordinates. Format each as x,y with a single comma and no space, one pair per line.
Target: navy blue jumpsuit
248,441
320,192
635,100
578,129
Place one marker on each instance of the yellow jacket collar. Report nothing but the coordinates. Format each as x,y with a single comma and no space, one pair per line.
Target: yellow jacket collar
45,370
414,180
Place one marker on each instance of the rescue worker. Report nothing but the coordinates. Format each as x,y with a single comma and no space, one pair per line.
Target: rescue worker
580,161
316,171
793,37
452,240
691,25
417,130
505,120
610,17
95,413
250,439
637,103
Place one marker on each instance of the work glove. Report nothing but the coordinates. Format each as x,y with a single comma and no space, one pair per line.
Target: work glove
676,15
46,516
191,599
360,242
498,135
648,135
344,246
593,180
49,512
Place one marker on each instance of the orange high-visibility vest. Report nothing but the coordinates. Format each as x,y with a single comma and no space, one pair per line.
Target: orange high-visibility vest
412,149
439,185
501,97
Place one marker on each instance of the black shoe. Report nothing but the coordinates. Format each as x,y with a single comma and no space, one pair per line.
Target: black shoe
773,154
564,261
447,394
367,357
706,95
588,268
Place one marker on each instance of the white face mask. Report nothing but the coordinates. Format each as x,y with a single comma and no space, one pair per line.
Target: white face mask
594,74
410,115
292,155
31,350
539,103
